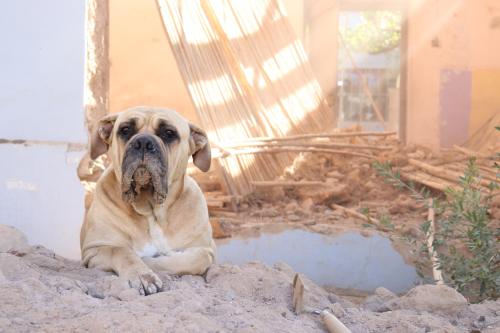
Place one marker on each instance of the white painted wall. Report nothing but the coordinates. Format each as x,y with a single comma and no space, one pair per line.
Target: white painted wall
41,98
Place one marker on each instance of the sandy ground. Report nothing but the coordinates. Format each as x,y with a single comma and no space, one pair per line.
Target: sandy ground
42,292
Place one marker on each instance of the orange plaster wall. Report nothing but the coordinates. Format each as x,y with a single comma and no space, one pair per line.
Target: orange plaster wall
143,69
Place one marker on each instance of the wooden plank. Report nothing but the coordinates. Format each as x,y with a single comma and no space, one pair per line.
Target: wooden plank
280,183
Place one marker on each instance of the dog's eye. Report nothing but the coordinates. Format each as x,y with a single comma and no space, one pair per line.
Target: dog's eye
125,130
167,134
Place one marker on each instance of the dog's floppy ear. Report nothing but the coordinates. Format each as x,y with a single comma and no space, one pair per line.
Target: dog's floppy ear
100,136
200,148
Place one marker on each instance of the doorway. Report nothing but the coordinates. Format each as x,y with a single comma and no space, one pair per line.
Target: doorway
369,82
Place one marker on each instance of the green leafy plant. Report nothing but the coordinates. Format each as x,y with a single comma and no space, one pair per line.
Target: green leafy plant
464,238
376,32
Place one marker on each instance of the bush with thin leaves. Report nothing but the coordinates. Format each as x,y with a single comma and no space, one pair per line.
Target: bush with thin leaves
465,238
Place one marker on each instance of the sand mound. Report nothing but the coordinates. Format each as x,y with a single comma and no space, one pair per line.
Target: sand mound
41,291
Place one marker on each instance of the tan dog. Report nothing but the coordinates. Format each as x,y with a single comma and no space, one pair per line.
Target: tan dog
147,213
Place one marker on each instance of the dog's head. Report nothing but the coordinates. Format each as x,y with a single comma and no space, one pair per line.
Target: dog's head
149,149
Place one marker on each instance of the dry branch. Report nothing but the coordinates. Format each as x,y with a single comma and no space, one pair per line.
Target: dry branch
358,215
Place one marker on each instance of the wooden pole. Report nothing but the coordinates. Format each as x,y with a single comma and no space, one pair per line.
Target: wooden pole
280,183
365,86
96,86
314,136
233,152
436,271
442,172
428,181
469,152
309,144
333,324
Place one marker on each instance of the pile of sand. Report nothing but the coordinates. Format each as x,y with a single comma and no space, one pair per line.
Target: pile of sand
41,291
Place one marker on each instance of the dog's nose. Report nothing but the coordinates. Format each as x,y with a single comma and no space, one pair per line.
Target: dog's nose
145,144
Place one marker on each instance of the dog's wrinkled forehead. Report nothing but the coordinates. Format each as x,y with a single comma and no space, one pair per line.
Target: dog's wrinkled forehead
150,120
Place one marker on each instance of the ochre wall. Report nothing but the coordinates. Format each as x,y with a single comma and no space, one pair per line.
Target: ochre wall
320,41
485,97
451,36
485,59
443,36
143,69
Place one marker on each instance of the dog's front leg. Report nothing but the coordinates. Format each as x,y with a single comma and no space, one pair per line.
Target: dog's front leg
193,260
125,262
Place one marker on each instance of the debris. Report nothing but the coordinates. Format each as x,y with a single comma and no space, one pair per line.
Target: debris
307,204
328,192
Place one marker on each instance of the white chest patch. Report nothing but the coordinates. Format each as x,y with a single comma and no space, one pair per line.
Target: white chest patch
158,244
149,250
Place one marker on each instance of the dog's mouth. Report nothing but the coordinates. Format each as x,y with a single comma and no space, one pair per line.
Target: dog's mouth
140,178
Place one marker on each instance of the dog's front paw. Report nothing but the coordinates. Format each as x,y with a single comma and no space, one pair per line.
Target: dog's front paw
146,282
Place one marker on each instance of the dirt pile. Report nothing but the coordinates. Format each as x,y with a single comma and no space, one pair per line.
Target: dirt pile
44,292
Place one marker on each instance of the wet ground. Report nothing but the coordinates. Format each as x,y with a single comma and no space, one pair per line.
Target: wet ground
348,261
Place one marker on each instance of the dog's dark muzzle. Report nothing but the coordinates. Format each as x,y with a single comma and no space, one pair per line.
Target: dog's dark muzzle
144,169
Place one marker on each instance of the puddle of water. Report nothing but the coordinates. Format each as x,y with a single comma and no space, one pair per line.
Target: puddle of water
347,261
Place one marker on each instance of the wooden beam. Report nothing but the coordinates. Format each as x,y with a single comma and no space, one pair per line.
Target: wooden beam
441,172
284,183
436,271
309,144
312,136
251,151
96,86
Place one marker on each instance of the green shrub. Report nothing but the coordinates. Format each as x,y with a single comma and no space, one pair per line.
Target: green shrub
465,238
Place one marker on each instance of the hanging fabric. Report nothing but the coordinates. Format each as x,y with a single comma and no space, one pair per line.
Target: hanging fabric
248,76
